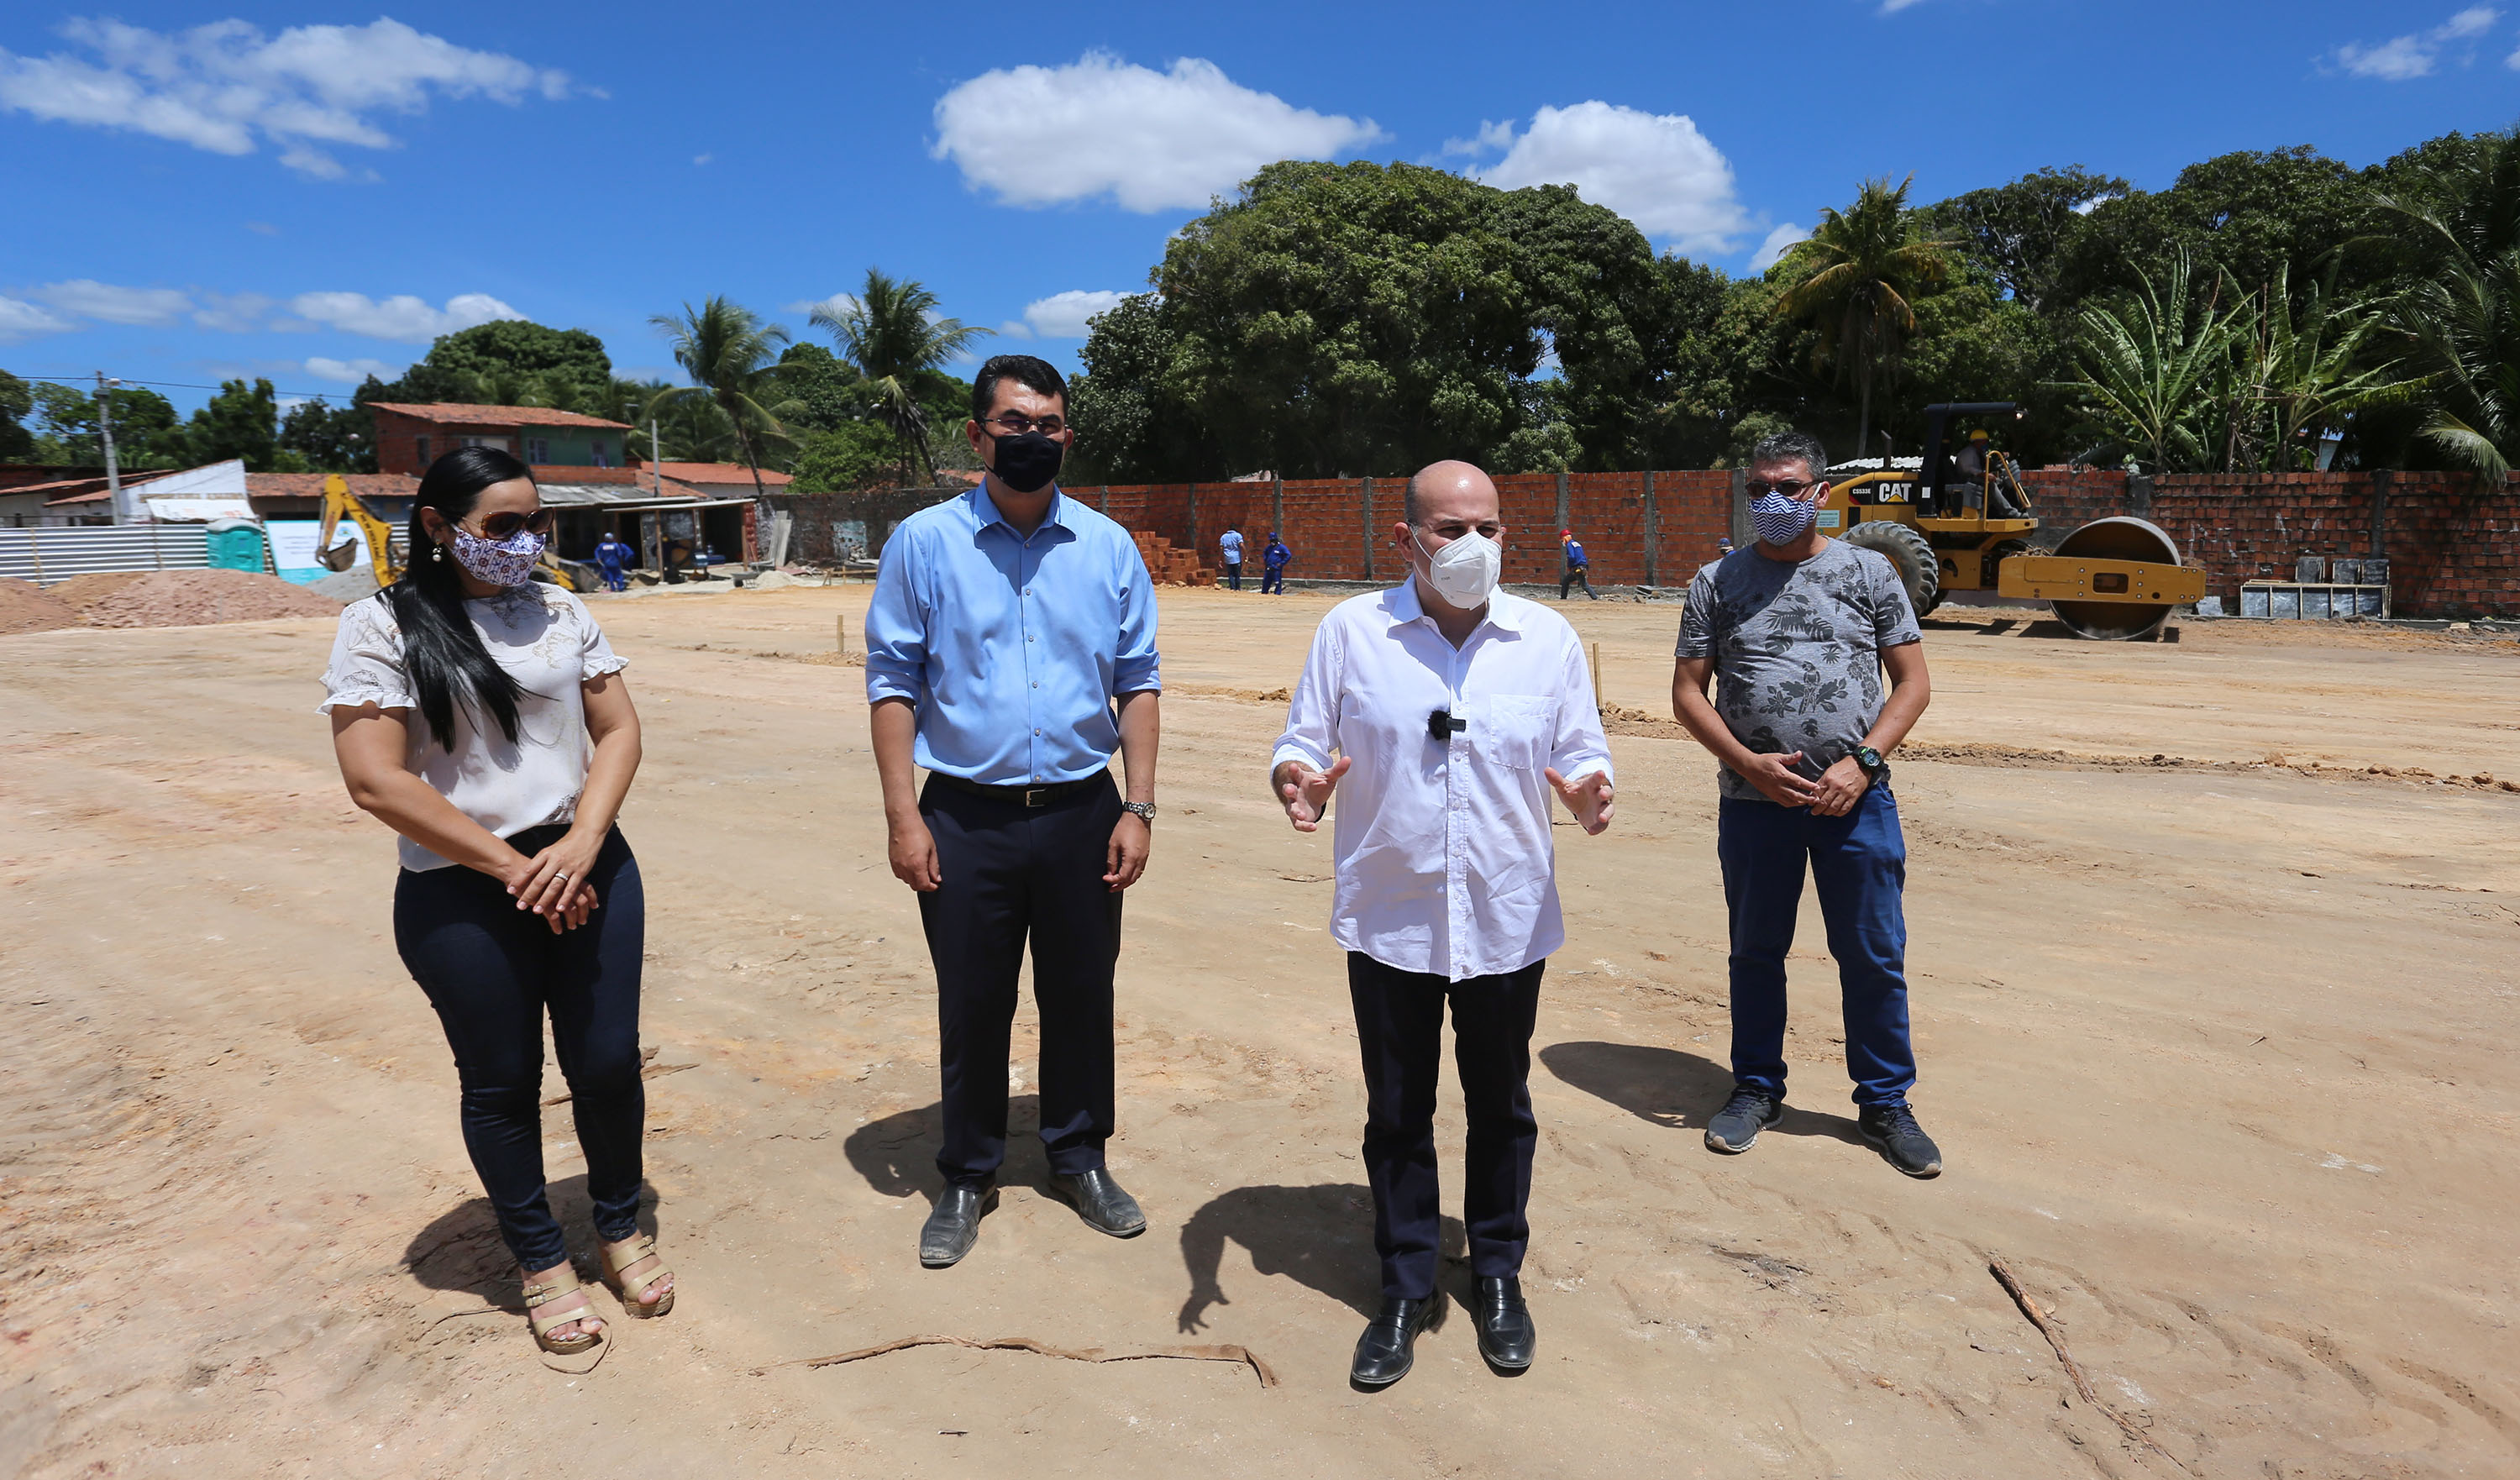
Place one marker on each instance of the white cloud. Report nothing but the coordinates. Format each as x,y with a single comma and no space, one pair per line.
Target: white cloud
703,159
1063,315
1152,141
838,303
19,319
238,312
1773,251
350,372
1492,137
1656,169
400,317
1015,329
91,300
225,87
2403,59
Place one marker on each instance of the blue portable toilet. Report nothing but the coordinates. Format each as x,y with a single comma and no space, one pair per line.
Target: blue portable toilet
235,545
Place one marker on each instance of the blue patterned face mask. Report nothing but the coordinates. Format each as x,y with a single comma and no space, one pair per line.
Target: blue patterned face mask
1781,519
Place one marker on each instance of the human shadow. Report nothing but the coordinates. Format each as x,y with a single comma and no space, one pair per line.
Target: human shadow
1672,1088
460,1248
897,1155
1320,1236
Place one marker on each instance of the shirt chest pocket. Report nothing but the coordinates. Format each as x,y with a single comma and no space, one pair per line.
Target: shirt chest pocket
1516,730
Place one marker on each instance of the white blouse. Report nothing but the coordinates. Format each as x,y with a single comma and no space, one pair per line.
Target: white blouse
544,636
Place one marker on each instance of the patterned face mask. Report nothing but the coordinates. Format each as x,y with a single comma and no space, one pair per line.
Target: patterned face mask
1780,519
498,563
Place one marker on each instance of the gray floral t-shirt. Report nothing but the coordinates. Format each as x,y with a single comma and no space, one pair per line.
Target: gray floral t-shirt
1797,648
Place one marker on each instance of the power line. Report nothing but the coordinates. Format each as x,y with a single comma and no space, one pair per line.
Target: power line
312,396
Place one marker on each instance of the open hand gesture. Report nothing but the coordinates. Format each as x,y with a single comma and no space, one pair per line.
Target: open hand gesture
1588,798
1305,793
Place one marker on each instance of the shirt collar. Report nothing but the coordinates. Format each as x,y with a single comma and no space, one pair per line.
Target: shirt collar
1504,609
986,512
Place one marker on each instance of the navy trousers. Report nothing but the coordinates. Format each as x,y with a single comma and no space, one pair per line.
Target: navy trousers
1272,578
492,971
1859,866
1017,874
1233,576
1400,1031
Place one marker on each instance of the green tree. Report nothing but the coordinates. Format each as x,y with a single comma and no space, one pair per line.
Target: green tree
895,339
849,457
329,438
516,355
2020,230
732,358
2246,217
2154,380
1130,427
147,432
241,422
829,391
2458,321
16,402
1865,264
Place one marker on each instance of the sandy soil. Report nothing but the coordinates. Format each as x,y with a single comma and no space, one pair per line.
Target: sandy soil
2217,1052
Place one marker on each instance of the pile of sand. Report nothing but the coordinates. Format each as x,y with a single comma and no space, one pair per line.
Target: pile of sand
26,606
80,592
192,598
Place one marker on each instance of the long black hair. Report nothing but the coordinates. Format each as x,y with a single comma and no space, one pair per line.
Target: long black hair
442,651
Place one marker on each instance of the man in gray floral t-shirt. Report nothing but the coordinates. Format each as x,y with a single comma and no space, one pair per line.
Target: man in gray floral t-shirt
1798,629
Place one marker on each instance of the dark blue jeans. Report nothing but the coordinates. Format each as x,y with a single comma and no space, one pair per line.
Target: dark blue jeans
492,971
1272,578
1859,865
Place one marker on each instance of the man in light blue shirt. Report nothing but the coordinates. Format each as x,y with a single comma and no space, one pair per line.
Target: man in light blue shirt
1231,547
1010,649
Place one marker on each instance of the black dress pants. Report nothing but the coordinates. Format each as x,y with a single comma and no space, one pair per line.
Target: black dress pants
1014,874
1400,1030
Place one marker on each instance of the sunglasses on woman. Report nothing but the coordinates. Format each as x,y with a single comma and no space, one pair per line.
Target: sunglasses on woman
504,524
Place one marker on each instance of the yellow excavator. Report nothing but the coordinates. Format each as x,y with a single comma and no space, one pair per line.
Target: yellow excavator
1947,529
387,551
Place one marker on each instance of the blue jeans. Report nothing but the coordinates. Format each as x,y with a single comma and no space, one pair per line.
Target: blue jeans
1859,865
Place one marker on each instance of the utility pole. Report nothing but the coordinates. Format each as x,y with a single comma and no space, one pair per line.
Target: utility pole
655,458
124,512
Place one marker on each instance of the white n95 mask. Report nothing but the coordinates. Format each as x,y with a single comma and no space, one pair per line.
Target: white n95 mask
1465,572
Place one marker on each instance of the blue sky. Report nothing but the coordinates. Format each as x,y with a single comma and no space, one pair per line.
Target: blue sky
306,193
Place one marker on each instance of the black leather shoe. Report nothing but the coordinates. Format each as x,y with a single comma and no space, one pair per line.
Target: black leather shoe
1389,1346
954,1224
1505,1335
1098,1200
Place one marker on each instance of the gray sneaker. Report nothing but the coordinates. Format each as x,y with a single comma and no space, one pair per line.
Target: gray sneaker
1893,1133
1737,1125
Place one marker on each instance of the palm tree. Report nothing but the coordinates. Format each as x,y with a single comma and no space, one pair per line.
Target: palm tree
2153,379
733,360
2460,317
2304,369
892,334
1867,265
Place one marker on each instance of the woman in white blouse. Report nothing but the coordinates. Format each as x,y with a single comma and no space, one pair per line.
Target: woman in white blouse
483,716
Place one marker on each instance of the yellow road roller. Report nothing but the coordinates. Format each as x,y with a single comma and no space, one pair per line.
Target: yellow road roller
1966,522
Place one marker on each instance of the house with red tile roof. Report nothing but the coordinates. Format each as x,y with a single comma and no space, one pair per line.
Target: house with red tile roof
409,437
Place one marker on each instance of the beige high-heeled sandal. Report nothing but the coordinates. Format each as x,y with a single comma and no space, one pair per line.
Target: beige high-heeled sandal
642,1250
538,1314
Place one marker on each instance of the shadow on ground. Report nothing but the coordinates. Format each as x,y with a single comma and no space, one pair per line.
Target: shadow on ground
1672,1088
897,1155
1320,1236
461,1249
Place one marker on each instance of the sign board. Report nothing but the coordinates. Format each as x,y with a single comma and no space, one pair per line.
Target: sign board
292,548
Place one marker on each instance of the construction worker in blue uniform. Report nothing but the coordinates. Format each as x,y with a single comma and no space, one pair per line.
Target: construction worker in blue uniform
611,555
1273,566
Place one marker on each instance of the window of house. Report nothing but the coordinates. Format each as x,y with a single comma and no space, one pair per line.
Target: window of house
538,449
423,443
602,455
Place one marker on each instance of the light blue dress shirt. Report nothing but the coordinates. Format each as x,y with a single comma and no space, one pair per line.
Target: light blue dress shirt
1011,650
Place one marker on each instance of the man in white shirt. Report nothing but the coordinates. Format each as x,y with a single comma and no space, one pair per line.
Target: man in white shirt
1230,545
1456,710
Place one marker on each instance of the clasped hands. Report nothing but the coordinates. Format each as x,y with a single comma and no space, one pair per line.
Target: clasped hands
1834,794
553,883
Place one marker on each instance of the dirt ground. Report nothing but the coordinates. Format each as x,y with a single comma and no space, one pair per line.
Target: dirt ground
2217,1052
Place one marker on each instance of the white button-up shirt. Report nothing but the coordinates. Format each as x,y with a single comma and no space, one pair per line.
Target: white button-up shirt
1444,859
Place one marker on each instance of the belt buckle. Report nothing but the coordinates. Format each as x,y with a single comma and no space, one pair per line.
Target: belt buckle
1034,796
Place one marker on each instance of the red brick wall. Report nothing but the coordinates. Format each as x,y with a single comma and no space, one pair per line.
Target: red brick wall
2453,543
398,442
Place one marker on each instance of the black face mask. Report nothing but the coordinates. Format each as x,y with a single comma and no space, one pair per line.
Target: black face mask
1026,463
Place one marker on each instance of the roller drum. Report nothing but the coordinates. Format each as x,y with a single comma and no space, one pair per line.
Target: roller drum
2122,537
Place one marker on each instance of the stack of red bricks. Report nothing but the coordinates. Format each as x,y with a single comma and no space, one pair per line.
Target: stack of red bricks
1170,566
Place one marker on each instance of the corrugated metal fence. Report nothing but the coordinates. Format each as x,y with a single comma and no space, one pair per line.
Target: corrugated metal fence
50,556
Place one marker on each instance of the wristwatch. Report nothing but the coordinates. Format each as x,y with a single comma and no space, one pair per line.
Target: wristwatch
1146,811
1870,760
